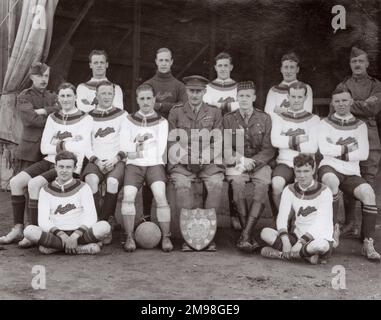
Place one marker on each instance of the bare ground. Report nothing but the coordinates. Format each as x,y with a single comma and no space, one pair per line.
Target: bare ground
152,274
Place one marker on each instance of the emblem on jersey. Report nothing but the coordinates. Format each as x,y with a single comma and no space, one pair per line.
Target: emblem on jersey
63,135
285,104
198,227
104,132
295,132
163,95
62,210
307,211
345,142
143,137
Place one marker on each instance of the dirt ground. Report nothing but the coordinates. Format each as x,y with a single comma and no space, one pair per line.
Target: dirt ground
152,274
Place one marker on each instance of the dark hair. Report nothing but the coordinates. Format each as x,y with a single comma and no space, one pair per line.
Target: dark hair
341,88
160,50
290,56
298,85
66,155
67,85
105,83
98,53
223,55
145,87
304,159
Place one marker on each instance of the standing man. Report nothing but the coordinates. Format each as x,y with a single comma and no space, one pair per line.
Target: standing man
34,105
252,165
67,220
293,132
343,142
222,93
169,92
277,98
144,140
106,156
366,95
196,120
86,92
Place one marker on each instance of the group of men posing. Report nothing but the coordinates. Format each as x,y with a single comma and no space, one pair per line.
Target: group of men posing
67,211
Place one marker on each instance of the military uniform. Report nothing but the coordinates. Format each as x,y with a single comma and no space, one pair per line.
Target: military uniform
257,146
362,87
33,124
182,117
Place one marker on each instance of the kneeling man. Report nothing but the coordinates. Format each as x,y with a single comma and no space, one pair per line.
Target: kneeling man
67,219
311,203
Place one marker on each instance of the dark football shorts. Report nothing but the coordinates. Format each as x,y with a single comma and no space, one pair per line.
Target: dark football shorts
284,171
136,175
117,172
347,183
42,168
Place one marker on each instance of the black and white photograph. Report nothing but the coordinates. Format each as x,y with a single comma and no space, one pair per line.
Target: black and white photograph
204,152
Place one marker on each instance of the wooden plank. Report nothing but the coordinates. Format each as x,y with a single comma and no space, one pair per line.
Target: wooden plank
190,63
136,52
212,41
71,31
124,38
127,26
115,61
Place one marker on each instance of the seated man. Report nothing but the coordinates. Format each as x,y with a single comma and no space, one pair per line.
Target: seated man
105,156
144,140
67,220
293,132
65,130
311,204
191,121
250,164
277,100
343,142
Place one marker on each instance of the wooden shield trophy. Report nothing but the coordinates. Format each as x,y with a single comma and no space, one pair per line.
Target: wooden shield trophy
198,227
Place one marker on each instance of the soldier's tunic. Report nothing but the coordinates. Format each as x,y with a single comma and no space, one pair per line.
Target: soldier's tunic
33,124
257,146
362,87
183,172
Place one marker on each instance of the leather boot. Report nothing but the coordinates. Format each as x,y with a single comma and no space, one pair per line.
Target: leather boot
245,242
166,243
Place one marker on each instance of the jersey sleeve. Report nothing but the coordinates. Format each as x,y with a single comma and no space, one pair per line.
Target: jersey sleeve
362,152
46,147
89,217
284,211
308,104
279,140
311,146
118,98
327,148
44,221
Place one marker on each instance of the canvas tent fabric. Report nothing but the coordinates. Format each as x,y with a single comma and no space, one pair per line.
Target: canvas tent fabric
32,43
